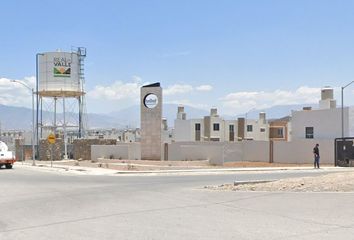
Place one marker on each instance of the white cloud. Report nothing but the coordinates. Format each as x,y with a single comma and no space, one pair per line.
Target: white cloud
241,102
137,79
185,88
177,89
15,94
126,92
204,88
118,90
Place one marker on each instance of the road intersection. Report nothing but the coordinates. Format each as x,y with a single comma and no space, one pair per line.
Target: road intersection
41,204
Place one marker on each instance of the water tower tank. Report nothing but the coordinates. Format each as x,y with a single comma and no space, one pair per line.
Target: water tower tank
59,74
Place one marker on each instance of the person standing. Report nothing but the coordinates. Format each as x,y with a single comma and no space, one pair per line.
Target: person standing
316,154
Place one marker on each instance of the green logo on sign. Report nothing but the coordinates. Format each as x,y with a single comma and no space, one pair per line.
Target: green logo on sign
62,67
61,72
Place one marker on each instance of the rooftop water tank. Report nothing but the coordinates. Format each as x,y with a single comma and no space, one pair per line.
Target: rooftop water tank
214,112
326,93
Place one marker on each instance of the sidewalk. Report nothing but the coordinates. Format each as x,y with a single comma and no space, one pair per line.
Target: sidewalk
45,166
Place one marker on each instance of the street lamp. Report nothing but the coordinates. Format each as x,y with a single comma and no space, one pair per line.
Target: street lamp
37,102
342,88
33,127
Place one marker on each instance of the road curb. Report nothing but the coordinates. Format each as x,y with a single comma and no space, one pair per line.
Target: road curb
102,171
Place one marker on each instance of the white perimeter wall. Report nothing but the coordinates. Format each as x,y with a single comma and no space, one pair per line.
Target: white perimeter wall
296,152
119,151
218,152
195,151
299,151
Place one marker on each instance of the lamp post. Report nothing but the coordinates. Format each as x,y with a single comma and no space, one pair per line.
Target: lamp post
33,126
37,102
342,88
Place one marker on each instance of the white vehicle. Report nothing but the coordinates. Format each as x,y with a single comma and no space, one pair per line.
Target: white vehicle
7,158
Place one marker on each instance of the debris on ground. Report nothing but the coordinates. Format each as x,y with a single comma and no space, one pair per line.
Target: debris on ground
332,182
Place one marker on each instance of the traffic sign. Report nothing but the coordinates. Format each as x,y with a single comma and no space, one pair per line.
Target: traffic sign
51,138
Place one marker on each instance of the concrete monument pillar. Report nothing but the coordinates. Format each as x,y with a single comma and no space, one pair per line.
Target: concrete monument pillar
151,117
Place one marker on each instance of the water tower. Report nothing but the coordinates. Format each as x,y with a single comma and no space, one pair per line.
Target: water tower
60,98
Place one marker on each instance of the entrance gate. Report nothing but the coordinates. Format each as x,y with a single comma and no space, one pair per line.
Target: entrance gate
344,152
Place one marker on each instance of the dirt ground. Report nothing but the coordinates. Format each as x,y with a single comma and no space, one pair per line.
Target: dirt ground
147,165
332,182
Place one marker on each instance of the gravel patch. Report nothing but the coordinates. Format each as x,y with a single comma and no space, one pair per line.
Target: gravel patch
332,182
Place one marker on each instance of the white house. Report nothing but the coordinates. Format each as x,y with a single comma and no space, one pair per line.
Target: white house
322,123
257,129
215,128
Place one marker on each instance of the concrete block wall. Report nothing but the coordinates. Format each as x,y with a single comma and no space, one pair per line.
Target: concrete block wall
233,152
295,152
82,147
215,152
109,152
192,151
45,149
229,152
134,151
120,151
300,151
22,150
256,151
19,151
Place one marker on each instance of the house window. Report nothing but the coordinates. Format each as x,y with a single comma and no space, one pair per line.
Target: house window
231,128
231,133
308,132
249,128
262,129
216,126
197,132
280,132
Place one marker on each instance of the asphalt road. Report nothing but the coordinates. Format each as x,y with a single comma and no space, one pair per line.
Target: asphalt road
48,205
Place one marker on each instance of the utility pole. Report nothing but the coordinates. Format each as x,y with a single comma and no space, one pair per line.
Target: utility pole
33,123
342,109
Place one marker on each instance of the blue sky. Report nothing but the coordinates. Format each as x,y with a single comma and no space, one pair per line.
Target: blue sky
235,55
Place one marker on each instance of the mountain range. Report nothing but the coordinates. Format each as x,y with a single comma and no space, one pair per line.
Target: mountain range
20,118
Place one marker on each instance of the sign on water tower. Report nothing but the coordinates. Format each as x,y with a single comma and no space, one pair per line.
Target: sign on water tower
59,72
62,67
